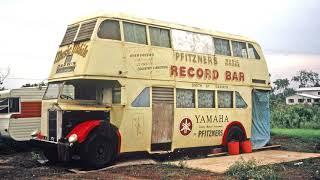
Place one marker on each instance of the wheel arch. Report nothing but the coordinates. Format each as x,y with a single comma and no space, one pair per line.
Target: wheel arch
226,131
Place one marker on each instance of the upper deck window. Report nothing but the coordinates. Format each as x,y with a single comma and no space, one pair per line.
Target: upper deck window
239,49
109,29
69,35
135,33
86,30
222,46
253,54
159,37
192,42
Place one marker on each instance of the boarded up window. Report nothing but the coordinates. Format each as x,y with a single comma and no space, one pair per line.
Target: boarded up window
240,103
143,99
69,35
159,37
239,49
135,33
225,99
109,29
205,99
222,46
253,54
185,98
86,30
192,42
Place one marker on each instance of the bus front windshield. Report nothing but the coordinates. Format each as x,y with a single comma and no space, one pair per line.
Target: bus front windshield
73,90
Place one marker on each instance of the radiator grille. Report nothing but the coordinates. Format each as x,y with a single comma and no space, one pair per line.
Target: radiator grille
69,35
160,94
86,31
52,116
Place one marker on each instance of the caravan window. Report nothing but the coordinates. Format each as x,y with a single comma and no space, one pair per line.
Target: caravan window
14,105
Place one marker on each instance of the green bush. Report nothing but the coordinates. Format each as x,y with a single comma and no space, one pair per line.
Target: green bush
250,170
295,116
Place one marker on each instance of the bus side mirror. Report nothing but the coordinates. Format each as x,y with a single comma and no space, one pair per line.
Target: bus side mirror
123,96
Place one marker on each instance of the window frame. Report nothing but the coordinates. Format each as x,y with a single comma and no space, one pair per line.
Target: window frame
246,46
149,96
120,29
235,103
159,27
229,41
232,99
19,102
113,90
136,23
214,98
254,50
194,98
291,100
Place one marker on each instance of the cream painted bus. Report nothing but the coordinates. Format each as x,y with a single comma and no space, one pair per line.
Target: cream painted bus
126,84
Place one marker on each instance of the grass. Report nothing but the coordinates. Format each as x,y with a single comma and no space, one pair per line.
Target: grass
301,133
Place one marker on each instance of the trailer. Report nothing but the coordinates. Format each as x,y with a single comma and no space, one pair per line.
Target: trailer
20,112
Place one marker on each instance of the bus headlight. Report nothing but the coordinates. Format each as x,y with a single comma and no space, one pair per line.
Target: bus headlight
35,133
73,138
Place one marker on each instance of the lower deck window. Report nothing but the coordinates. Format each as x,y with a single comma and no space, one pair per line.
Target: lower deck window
240,103
205,99
225,99
185,98
143,99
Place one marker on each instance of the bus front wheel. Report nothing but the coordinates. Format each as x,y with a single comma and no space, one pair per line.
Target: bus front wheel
98,151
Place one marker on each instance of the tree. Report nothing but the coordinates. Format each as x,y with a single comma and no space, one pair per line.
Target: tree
306,79
281,84
3,75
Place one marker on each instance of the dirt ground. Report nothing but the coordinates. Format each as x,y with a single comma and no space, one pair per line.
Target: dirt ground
24,165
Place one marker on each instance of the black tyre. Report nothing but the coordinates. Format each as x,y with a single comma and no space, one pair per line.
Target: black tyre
235,133
51,155
98,151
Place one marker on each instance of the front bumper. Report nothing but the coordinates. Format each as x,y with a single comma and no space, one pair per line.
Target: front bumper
63,149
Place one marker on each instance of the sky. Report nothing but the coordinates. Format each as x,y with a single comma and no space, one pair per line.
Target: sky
287,30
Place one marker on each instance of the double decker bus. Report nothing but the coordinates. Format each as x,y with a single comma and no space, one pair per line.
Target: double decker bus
126,84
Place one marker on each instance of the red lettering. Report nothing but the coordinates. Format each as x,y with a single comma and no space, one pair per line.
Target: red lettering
199,73
235,76
228,75
191,72
173,71
207,74
182,71
241,76
215,74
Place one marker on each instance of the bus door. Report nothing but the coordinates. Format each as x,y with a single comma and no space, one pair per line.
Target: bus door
162,118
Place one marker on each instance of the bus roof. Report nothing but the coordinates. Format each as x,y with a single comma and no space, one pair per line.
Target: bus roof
155,22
